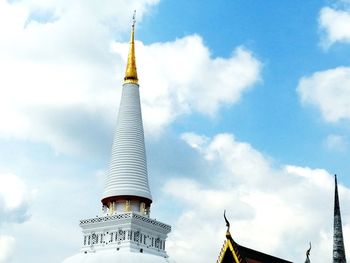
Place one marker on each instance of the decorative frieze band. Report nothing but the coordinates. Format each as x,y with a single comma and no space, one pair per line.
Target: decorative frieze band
122,216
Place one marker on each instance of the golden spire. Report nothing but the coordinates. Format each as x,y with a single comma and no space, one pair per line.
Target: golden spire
131,72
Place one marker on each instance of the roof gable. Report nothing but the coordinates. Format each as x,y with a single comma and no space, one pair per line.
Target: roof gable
232,252
229,253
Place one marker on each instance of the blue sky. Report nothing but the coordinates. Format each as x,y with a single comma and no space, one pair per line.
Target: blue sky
245,106
286,38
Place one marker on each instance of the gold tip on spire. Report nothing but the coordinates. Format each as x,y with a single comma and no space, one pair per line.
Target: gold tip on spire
131,72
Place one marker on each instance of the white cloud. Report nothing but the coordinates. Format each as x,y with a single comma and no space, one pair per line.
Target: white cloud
51,72
181,77
58,84
12,190
336,142
6,247
184,75
14,199
194,140
334,25
276,210
50,216
329,91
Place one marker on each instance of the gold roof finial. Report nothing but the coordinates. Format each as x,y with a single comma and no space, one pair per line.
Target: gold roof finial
131,72
228,234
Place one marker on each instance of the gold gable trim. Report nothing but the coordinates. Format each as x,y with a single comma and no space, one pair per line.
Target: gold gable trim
229,247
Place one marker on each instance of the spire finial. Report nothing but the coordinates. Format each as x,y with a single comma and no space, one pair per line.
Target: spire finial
308,254
131,72
134,19
228,234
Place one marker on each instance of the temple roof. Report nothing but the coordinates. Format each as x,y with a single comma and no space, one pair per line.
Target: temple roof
232,252
235,253
253,256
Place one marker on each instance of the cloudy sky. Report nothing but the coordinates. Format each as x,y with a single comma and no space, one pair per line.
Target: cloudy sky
246,107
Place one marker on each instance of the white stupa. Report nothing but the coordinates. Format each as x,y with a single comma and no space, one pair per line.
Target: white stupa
125,233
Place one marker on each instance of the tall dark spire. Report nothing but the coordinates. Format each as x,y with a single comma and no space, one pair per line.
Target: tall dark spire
338,241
